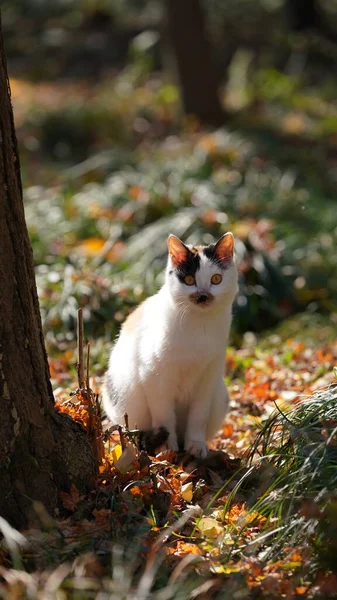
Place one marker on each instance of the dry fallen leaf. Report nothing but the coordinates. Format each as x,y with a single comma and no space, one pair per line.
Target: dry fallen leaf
71,499
116,453
127,458
184,548
210,527
187,491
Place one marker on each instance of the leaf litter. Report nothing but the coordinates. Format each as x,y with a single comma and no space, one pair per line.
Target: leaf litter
165,508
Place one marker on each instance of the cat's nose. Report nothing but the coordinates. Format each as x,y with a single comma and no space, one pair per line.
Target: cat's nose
202,298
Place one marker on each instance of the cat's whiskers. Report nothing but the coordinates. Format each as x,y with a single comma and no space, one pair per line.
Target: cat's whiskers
181,313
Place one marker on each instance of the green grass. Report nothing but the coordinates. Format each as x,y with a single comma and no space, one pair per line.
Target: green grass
295,455
270,177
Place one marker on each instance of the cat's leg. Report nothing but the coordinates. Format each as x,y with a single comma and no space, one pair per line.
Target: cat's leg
137,409
160,398
121,400
109,398
200,408
219,407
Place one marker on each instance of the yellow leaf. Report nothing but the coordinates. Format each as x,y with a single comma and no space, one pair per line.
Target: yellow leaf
116,452
210,527
226,569
127,459
187,491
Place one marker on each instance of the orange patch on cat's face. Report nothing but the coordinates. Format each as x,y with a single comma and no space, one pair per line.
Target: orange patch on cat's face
133,320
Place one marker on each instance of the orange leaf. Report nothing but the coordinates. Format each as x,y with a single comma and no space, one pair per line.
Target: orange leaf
137,193
228,430
261,390
300,590
184,548
90,247
168,455
324,357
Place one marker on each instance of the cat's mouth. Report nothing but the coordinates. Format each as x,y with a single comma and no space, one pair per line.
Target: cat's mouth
202,299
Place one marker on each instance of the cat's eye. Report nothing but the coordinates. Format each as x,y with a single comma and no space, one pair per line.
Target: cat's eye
216,279
189,280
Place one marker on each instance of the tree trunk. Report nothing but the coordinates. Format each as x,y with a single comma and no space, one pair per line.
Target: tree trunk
41,451
197,73
302,14
308,15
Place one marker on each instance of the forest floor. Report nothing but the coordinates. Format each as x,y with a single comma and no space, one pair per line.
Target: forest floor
239,524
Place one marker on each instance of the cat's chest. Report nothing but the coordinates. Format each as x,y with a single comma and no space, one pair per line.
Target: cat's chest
196,344
184,382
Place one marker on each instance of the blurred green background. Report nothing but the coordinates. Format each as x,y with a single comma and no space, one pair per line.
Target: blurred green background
137,118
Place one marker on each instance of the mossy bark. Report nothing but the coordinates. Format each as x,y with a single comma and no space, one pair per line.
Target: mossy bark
40,451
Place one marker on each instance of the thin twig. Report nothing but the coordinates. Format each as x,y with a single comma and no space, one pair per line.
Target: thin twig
88,363
80,364
126,421
154,481
121,435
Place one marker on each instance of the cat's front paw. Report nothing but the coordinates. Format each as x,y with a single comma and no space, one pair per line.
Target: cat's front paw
197,449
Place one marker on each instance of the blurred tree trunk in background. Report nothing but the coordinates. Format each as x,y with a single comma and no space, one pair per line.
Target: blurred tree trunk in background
308,15
41,451
302,14
197,72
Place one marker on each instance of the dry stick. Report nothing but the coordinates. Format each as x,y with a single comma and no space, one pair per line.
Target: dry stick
126,420
88,391
121,435
88,361
94,433
95,416
154,480
80,364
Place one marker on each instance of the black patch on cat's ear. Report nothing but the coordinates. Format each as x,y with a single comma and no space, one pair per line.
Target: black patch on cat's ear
221,253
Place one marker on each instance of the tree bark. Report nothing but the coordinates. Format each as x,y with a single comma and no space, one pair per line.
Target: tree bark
197,73
41,451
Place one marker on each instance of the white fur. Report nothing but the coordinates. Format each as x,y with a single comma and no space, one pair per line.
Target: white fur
169,370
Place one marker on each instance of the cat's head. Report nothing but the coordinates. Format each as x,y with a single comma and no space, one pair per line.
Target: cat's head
206,276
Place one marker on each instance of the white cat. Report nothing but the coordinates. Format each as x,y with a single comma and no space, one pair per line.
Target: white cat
167,366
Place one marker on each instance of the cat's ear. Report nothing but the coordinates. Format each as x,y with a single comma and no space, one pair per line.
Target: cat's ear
224,248
177,250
